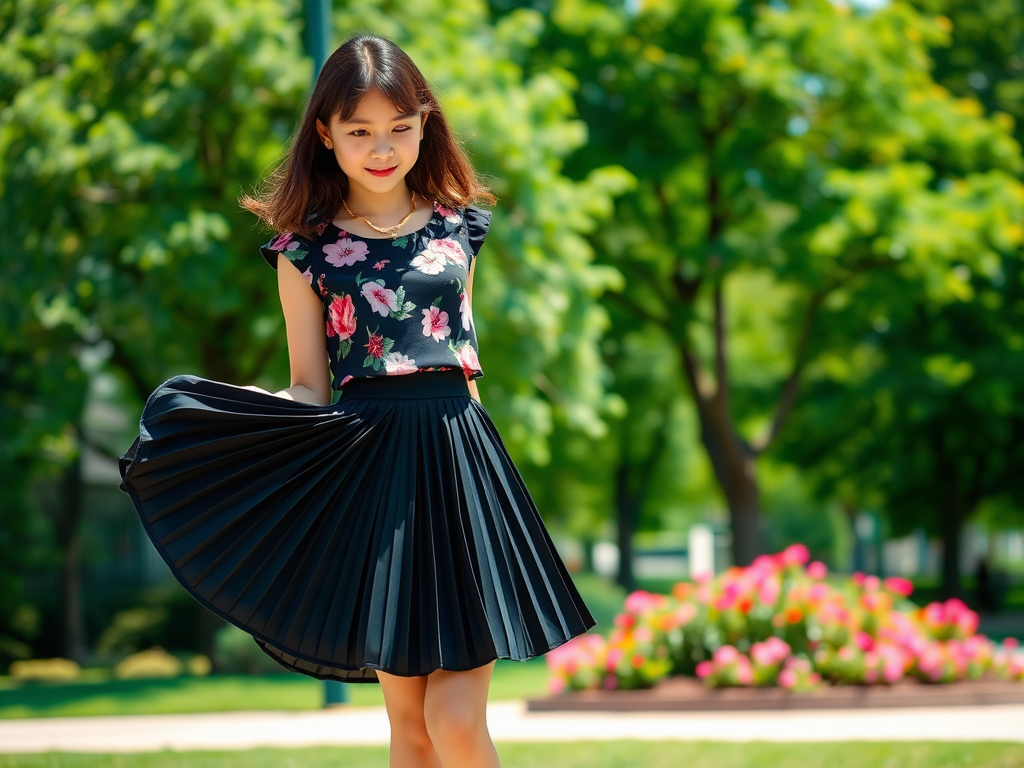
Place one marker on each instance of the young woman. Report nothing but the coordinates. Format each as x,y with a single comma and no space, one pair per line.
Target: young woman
388,537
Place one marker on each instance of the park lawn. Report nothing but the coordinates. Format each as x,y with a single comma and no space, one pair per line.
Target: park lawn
97,694
615,754
226,693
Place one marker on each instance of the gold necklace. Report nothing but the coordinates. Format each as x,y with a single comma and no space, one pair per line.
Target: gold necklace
386,230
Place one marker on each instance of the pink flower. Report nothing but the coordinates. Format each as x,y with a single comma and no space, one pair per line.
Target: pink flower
787,678
345,252
872,583
450,250
342,313
429,262
795,554
395,363
817,570
899,585
435,323
382,300
449,214
704,669
379,265
284,242
725,654
466,311
556,685
864,641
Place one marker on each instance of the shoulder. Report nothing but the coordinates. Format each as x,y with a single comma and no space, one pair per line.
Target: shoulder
478,221
294,245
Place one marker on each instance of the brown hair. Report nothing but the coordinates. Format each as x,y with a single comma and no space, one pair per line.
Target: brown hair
309,181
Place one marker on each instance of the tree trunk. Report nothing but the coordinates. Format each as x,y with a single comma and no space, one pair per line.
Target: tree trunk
735,468
950,522
627,506
69,516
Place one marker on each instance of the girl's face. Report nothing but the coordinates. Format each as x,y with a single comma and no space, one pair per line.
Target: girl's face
376,138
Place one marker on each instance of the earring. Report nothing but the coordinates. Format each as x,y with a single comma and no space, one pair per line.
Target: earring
328,145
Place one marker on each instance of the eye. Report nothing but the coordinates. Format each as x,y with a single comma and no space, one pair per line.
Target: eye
358,132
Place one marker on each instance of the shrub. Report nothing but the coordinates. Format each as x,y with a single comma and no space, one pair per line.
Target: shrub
45,670
155,662
199,666
237,653
778,622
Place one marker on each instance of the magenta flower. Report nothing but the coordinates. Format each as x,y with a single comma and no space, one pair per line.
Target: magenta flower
435,323
345,252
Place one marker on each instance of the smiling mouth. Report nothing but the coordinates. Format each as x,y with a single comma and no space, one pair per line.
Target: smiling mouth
381,171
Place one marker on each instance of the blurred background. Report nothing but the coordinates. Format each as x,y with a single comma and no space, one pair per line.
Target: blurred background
754,279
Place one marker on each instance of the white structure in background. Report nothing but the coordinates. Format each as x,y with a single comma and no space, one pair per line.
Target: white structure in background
702,551
605,558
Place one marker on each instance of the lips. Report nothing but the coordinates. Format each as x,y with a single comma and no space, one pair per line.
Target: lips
382,171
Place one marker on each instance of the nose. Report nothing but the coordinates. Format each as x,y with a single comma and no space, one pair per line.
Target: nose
382,149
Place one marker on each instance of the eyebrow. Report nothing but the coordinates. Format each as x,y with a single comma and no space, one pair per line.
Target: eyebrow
396,118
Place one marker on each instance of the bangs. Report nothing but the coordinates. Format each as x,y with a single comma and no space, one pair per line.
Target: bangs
400,90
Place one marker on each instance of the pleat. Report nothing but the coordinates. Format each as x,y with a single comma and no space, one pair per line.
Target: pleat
382,532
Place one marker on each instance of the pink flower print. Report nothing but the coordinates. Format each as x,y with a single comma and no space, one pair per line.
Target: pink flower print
435,323
380,264
308,275
429,262
395,363
346,252
448,213
320,227
467,357
284,242
320,285
382,300
450,250
342,314
466,311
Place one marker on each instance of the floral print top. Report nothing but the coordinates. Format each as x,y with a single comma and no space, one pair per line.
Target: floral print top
392,305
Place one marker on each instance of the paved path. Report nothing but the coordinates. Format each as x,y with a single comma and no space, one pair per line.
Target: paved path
507,721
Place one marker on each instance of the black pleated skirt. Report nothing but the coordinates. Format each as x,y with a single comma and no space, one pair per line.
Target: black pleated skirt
388,531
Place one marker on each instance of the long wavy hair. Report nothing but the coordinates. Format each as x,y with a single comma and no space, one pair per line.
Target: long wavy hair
309,180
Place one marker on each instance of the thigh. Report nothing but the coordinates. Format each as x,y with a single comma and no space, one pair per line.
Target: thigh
403,698
459,692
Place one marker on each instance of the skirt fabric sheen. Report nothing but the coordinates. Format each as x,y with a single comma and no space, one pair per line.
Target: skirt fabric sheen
387,531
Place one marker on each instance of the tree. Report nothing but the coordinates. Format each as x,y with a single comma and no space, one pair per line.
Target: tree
793,140
139,125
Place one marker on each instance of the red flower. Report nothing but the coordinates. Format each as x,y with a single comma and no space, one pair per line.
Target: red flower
342,321
375,347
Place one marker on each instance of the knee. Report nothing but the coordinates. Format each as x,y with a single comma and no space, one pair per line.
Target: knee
454,724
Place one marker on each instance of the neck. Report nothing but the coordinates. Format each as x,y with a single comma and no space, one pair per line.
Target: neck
387,207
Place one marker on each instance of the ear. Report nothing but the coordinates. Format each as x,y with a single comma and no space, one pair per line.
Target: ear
325,134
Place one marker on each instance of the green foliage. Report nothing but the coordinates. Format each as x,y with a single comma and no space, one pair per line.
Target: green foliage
535,291
803,145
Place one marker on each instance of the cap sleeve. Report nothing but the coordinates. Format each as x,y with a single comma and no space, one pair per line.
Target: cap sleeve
478,221
293,245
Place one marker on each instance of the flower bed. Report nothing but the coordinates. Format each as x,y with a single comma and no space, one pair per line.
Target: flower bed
782,623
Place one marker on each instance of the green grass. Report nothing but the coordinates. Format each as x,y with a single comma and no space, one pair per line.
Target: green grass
98,694
512,680
616,754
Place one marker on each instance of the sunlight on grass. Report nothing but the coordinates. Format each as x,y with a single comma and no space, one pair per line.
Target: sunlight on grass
617,754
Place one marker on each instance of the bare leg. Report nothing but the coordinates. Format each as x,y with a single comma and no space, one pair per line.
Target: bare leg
410,743
455,709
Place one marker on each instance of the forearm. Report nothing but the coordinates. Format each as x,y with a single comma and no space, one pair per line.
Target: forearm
473,391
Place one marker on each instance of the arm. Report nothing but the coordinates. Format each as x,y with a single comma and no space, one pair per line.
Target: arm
473,391
307,339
